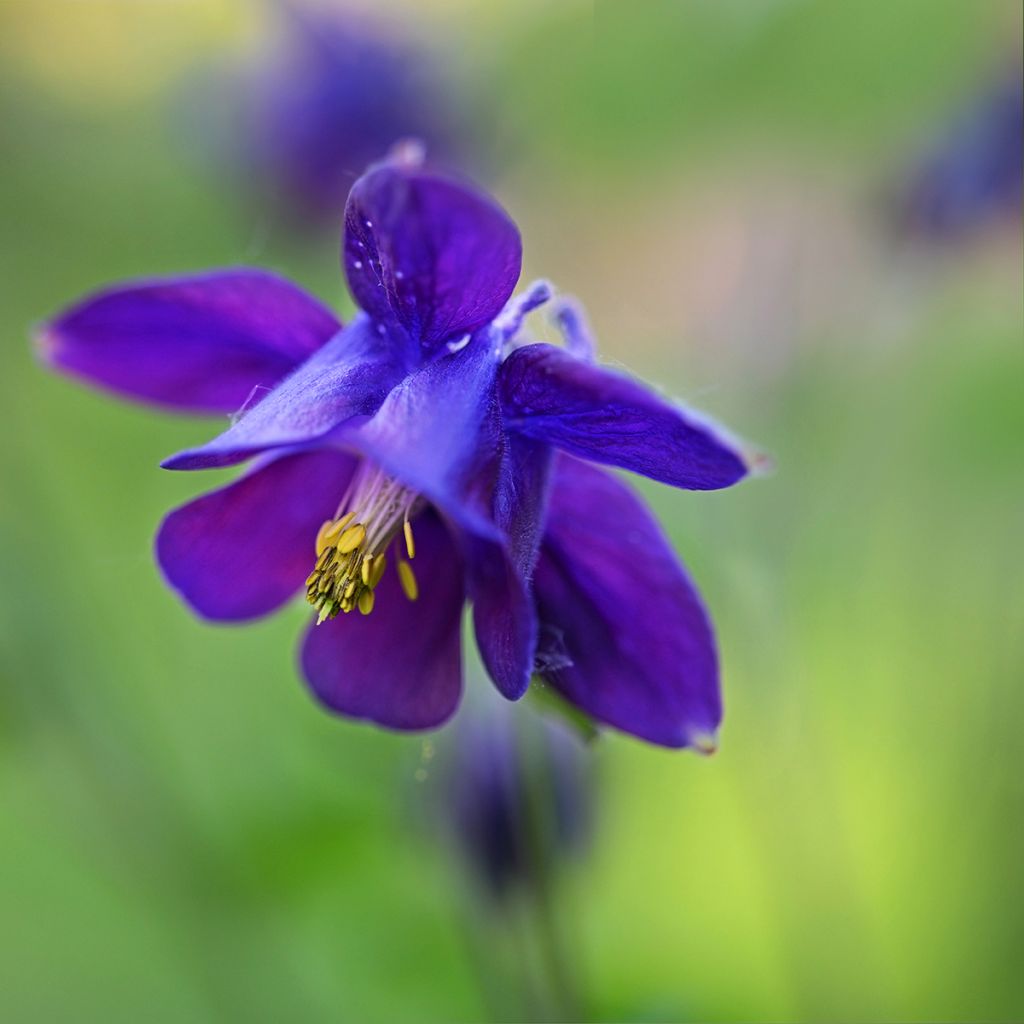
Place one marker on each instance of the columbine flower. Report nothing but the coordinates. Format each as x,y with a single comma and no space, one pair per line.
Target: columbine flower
333,96
516,795
971,178
407,462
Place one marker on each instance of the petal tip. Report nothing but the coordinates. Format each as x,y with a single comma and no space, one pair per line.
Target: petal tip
759,463
408,154
176,461
516,692
704,743
46,343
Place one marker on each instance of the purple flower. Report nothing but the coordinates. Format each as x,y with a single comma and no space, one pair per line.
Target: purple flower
428,434
517,797
972,176
333,97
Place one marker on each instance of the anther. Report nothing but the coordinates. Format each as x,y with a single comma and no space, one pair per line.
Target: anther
331,531
410,545
321,537
408,580
351,539
365,602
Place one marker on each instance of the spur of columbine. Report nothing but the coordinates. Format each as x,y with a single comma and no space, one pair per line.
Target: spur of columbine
433,434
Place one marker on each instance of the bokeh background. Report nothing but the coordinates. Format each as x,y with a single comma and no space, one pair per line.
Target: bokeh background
730,188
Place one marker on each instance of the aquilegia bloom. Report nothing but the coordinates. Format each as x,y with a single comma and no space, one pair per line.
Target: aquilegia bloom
428,432
971,178
517,798
333,96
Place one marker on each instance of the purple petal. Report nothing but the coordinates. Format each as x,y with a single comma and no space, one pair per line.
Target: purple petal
613,597
521,498
504,618
439,432
503,611
401,665
428,253
350,376
595,414
242,551
208,342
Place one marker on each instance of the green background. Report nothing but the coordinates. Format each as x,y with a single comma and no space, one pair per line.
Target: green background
187,837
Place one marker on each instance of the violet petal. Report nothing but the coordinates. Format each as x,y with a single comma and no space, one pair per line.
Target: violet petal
427,253
400,666
208,342
504,618
606,417
241,551
440,433
350,376
610,588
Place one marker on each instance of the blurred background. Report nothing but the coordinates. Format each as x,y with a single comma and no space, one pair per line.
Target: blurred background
802,216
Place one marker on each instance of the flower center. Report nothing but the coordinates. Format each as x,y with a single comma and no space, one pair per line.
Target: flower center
351,548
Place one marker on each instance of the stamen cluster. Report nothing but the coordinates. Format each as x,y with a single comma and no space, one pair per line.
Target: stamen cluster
351,548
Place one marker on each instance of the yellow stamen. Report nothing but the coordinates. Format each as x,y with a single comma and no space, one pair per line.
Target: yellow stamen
408,580
351,539
321,537
339,525
331,531
334,532
380,563
350,548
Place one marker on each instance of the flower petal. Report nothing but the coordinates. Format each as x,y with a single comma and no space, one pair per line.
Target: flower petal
618,605
503,611
350,376
504,618
428,253
596,414
207,342
400,666
521,497
439,432
241,551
